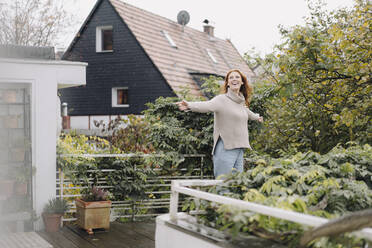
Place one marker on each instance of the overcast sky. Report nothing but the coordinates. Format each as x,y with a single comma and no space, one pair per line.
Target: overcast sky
248,23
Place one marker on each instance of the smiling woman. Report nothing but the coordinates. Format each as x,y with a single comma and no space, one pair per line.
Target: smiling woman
231,115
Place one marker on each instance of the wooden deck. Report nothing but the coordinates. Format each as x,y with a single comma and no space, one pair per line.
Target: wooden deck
123,235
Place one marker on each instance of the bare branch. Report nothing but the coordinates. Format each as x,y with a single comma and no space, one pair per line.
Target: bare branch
33,22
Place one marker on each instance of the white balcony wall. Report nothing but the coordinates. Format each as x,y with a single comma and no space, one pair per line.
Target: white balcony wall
44,77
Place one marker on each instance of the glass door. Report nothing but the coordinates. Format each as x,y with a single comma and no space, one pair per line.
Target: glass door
15,158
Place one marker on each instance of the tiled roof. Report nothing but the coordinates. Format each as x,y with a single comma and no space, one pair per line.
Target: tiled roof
191,55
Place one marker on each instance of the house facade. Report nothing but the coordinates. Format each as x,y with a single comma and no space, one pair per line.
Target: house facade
135,56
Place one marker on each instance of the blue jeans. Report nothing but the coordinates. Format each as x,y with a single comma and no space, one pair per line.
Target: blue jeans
227,161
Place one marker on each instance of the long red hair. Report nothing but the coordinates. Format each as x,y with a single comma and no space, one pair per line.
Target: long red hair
246,89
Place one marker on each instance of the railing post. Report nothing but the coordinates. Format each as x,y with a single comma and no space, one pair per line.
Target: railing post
201,167
173,202
61,183
61,186
133,210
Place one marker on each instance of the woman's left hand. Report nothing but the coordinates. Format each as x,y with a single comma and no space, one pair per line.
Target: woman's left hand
260,119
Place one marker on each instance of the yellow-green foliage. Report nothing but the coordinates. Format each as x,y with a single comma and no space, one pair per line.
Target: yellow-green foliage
320,93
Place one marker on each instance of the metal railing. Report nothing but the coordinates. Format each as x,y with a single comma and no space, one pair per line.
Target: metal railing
182,186
131,209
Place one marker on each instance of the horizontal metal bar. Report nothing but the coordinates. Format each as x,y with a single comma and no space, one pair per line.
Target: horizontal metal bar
138,215
158,192
199,182
127,155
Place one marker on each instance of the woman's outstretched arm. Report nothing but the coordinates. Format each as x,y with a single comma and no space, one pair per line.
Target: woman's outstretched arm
201,107
254,116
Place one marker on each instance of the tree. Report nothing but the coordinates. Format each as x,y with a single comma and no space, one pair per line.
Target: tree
33,22
323,87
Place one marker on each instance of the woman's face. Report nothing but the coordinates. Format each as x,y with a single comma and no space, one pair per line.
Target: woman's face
234,81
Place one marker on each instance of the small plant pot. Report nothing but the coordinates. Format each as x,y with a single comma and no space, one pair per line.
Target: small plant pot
92,215
52,222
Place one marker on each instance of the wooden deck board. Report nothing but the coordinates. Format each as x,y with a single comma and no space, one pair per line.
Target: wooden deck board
134,238
75,238
123,235
144,228
57,239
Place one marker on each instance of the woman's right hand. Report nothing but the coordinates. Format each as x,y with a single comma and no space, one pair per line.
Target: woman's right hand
183,105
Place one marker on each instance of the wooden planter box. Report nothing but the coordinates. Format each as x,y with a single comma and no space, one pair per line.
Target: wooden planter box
92,215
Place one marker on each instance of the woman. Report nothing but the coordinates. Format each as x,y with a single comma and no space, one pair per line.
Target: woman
231,114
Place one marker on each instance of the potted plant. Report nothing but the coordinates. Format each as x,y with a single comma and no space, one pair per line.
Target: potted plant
93,209
53,212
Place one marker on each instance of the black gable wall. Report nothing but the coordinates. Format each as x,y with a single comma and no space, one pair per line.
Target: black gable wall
127,66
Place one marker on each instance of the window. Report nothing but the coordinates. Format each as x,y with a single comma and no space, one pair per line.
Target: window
211,56
120,97
169,39
104,39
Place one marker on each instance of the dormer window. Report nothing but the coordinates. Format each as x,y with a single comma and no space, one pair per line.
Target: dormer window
211,56
169,39
104,39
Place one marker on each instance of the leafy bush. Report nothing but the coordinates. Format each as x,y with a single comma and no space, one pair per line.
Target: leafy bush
321,76
322,185
129,178
177,132
129,135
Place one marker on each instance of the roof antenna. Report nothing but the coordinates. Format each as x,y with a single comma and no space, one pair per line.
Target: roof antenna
183,18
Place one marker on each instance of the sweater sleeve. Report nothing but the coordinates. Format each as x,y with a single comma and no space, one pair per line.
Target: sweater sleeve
204,107
252,116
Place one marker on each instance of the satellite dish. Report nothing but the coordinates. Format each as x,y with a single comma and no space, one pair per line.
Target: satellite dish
183,17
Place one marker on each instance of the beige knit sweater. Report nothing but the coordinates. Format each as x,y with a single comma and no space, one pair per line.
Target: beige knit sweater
230,119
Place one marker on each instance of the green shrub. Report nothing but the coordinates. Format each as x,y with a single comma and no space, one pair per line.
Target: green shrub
328,185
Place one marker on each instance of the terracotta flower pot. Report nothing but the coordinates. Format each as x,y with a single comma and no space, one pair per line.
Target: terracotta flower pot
52,222
91,215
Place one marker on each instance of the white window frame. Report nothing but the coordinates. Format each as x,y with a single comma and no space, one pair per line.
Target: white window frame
114,98
99,44
211,56
169,39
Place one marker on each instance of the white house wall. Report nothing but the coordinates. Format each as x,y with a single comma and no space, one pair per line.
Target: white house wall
79,122
87,122
44,76
167,236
